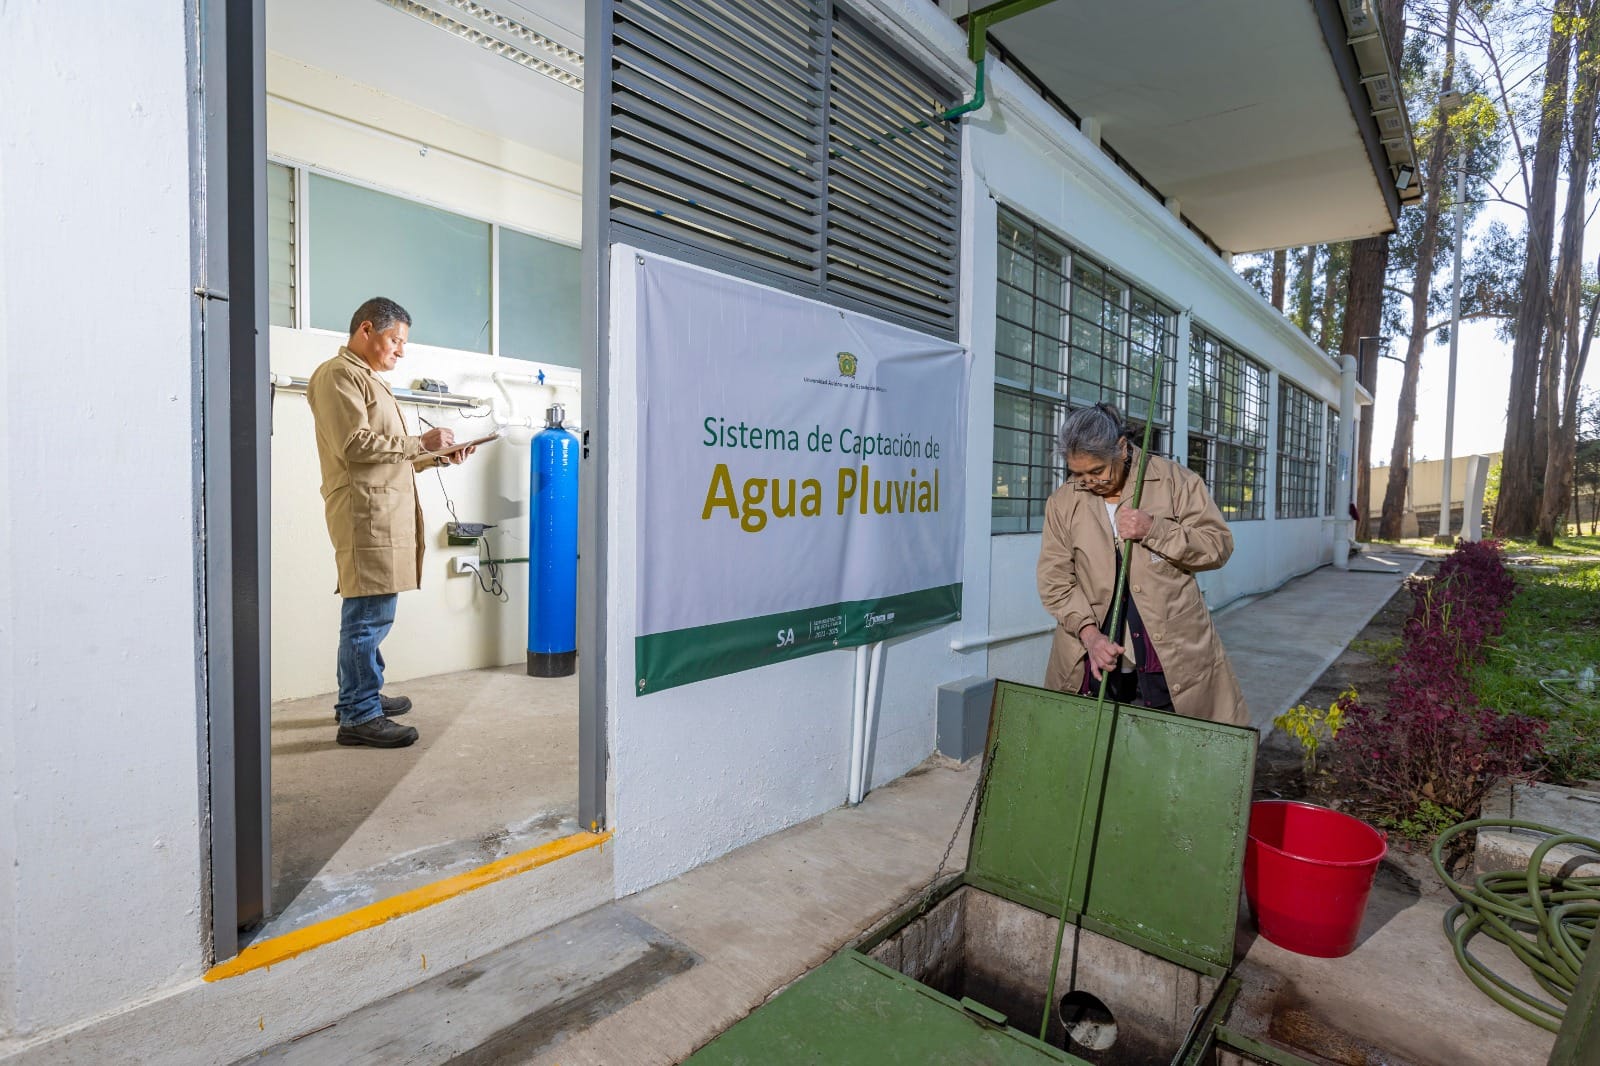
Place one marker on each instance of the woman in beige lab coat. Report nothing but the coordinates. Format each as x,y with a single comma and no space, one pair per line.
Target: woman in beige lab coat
1170,656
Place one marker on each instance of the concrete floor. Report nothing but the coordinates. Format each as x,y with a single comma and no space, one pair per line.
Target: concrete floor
649,979
494,772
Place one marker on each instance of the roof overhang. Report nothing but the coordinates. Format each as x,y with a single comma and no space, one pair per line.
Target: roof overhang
1271,123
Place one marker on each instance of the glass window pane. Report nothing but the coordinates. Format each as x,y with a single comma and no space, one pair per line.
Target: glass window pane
1016,268
281,251
541,293
433,262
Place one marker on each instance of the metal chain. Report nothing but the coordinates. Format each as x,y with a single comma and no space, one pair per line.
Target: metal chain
979,789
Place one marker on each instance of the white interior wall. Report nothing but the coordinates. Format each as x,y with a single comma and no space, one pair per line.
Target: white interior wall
450,623
319,119
100,850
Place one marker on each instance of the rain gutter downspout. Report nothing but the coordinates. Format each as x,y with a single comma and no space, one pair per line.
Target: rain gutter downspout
978,23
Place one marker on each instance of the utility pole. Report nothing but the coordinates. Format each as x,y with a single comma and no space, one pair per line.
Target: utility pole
1455,335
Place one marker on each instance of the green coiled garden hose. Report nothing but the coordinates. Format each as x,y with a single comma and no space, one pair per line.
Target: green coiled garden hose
1546,922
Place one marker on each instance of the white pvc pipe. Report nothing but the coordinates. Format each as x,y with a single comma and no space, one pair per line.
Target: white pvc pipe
858,724
510,418
969,643
502,422
868,721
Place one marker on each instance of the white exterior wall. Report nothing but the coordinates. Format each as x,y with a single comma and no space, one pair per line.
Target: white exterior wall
319,120
100,742
100,834
1039,164
697,771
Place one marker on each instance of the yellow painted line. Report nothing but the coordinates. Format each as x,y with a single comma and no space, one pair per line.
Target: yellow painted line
285,947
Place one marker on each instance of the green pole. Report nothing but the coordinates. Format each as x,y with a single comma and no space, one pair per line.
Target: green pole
1105,680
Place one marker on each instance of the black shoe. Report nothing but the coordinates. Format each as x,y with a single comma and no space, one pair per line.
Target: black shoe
378,733
393,706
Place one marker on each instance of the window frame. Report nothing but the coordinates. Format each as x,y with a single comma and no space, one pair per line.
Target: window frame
1331,475
1300,451
301,204
1053,355
1228,418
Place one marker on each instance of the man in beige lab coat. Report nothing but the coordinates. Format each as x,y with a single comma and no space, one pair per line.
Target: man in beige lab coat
369,492
1168,656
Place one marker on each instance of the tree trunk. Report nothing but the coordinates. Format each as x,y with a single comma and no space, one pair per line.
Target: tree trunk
1332,286
1561,390
1280,276
1363,315
1514,511
1394,497
1305,288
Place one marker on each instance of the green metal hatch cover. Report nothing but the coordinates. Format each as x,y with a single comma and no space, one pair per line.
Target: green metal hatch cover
1166,866
852,1011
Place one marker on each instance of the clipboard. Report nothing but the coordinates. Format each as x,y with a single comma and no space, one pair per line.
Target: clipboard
458,445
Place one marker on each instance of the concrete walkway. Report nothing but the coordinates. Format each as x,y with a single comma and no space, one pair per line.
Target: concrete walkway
649,979
1280,643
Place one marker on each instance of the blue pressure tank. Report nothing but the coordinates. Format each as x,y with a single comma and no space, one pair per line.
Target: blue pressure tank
553,550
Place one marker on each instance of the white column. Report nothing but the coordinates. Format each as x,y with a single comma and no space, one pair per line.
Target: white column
1342,526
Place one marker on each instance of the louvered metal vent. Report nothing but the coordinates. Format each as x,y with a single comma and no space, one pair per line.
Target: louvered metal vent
893,206
789,145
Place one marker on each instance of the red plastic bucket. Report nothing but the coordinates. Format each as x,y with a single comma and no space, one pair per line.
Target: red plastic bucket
1307,874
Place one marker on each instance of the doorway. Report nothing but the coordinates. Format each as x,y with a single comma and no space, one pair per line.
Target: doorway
431,159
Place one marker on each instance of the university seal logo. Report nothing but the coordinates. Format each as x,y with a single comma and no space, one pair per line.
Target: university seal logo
847,365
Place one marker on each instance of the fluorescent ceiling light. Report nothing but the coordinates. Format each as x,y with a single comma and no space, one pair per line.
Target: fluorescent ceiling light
489,42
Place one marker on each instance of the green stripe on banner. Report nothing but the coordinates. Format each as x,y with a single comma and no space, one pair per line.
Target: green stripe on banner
681,656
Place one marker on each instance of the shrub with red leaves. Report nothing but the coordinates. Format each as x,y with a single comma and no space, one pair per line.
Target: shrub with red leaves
1432,741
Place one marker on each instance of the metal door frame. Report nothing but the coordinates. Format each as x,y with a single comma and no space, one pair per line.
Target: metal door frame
227,144
232,456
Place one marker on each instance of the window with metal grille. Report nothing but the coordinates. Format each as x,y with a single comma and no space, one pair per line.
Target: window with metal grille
788,144
1299,451
1330,505
1228,425
1068,333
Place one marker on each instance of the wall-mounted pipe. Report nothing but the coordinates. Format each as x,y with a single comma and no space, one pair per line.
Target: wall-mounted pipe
288,383
502,378
858,722
978,23
971,643
869,668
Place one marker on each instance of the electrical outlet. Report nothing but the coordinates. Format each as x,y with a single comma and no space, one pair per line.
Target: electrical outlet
464,564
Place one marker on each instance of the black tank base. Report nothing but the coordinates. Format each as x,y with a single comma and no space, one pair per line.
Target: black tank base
552,663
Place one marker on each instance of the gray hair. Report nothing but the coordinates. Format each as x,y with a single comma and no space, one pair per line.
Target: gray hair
1092,431
382,312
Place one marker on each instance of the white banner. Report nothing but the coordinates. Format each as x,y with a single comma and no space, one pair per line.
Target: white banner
800,476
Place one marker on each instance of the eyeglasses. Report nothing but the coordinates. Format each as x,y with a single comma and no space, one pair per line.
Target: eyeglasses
1110,470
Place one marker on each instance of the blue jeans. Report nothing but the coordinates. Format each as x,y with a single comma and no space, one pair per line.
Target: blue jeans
363,623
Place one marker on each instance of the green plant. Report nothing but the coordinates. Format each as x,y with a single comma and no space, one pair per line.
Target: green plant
1312,725
1383,652
1552,632
1426,822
